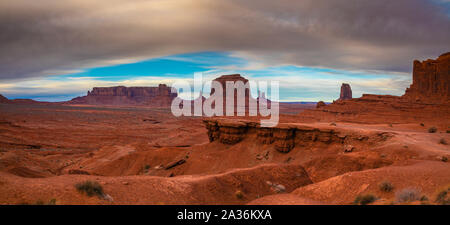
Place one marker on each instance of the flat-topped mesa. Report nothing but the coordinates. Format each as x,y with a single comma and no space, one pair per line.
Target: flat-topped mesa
346,92
121,95
431,80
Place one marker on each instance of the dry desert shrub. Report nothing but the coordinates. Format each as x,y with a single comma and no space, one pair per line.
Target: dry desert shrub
386,186
364,199
407,195
443,196
90,188
443,141
432,130
239,194
51,202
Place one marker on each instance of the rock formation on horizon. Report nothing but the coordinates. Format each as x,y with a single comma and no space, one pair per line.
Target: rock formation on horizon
3,99
346,92
234,78
431,80
427,99
320,104
121,95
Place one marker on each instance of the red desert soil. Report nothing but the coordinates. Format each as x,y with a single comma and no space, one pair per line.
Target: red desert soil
46,150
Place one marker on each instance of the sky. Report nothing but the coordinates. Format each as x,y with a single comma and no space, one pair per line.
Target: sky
56,50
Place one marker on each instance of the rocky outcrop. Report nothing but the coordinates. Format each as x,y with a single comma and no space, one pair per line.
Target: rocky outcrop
431,80
3,99
346,92
320,104
426,100
284,137
120,95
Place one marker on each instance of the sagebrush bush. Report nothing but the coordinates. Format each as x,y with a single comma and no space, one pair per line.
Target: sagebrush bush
386,186
90,188
407,195
365,199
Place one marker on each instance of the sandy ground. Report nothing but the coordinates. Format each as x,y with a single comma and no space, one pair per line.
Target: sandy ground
45,150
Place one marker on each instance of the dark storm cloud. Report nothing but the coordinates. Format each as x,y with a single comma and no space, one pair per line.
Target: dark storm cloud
41,38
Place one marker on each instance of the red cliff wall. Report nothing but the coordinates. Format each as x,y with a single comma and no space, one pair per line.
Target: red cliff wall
431,80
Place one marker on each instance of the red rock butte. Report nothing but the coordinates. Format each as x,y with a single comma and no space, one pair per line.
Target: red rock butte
346,92
431,80
233,78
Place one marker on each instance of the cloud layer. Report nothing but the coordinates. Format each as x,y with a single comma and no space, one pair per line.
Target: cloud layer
47,37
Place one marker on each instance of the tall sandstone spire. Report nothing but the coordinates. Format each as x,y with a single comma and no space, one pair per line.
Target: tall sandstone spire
346,92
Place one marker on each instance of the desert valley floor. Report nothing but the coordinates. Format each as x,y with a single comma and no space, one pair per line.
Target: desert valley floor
144,155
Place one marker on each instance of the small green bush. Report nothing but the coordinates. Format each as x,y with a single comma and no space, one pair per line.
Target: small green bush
386,186
364,199
90,188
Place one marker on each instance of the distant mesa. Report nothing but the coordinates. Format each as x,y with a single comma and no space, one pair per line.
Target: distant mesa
3,99
121,95
346,92
431,80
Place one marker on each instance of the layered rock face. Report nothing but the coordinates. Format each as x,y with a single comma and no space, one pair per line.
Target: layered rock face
120,95
346,92
427,100
431,80
284,137
376,109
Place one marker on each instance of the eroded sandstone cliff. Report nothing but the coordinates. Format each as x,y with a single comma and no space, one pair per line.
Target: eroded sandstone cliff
427,100
284,137
431,80
346,92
